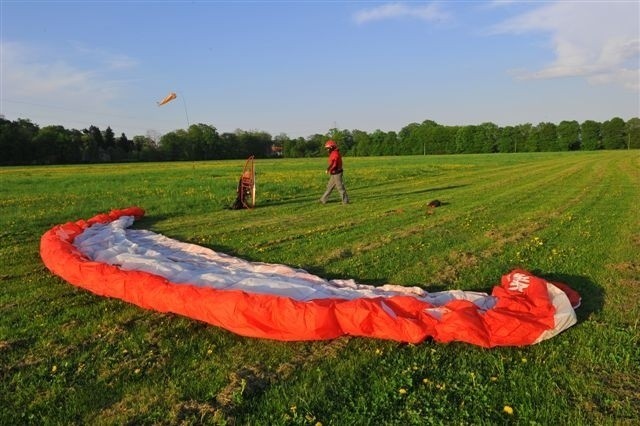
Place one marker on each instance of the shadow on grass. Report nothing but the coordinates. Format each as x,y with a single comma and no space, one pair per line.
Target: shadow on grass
418,191
336,198
148,221
591,293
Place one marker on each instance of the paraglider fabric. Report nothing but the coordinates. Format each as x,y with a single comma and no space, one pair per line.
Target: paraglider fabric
274,301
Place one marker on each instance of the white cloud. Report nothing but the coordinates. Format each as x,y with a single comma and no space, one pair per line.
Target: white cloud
25,76
427,12
29,73
104,58
599,41
39,83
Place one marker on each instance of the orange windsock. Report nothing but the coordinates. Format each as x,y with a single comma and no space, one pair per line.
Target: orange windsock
171,96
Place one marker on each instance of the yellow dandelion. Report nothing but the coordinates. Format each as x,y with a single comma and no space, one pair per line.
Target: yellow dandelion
209,352
493,379
402,391
507,409
54,368
426,380
524,360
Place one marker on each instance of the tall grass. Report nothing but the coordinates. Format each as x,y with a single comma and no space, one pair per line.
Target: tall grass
67,356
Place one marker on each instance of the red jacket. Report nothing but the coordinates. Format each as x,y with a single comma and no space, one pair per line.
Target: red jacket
335,162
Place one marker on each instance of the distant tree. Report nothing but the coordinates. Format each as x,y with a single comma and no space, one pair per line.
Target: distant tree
590,136
77,140
230,145
522,134
45,145
361,143
477,139
91,143
22,142
154,136
465,139
109,139
256,143
95,146
433,138
172,145
633,133
547,137
448,135
314,145
139,142
288,146
568,136
16,141
409,140
486,138
542,137
294,148
426,137
389,144
58,145
614,134
124,144
146,149
506,139
376,142
202,142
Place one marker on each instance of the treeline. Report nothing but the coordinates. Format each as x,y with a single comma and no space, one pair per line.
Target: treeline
430,137
23,142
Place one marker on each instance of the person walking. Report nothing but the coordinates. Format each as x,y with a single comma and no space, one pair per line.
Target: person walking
335,172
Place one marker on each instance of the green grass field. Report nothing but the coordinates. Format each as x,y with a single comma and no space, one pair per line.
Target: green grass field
67,356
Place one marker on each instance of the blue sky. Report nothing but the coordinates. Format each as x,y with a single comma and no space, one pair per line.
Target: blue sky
303,67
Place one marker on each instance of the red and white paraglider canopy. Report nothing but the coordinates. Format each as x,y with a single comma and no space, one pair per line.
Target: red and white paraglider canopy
274,301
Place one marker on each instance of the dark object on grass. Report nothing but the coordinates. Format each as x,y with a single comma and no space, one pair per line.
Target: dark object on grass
431,207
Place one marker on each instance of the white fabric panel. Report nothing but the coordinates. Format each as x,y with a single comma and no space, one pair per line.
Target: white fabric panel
184,263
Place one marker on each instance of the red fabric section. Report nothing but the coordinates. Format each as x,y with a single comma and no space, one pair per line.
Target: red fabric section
519,317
